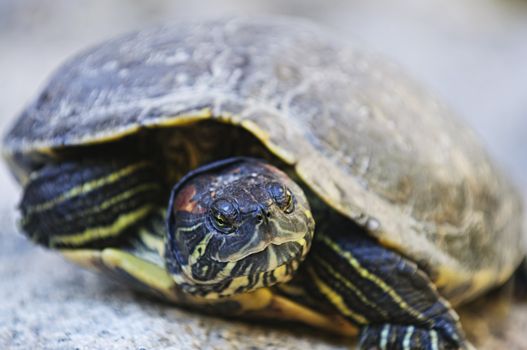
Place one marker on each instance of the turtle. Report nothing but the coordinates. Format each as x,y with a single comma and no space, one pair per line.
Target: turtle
264,168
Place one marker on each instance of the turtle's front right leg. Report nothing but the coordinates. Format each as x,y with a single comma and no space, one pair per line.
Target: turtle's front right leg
78,204
387,295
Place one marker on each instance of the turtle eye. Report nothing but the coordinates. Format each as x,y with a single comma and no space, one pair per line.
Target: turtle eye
282,197
220,221
223,214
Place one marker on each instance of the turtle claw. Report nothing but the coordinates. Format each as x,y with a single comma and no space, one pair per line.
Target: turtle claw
408,337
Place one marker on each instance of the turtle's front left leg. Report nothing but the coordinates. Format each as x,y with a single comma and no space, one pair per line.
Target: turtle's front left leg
389,297
81,203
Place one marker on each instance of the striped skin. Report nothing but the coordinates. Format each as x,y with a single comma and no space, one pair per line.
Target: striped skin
377,289
265,233
85,203
212,279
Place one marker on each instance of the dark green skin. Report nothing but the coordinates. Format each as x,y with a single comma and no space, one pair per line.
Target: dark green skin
425,321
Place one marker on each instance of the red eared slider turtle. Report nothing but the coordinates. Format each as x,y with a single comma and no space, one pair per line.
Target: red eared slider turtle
193,161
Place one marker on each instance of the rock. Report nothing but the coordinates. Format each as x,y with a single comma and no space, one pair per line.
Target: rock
45,302
48,303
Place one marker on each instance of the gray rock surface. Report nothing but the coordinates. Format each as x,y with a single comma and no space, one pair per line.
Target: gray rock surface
472,53
47,303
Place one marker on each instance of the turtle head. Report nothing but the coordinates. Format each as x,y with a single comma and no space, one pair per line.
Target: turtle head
235,226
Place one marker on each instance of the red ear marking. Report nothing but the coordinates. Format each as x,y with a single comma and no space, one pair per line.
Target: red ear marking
184,201
184,197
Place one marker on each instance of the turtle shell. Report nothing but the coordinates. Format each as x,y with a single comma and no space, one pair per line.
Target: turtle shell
358,131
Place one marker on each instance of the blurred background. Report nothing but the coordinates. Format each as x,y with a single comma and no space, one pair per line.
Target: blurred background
470,53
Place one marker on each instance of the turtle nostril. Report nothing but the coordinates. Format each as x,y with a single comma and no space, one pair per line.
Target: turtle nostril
262,214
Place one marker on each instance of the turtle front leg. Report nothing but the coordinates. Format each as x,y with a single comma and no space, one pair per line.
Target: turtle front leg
389,297
84,203
404,337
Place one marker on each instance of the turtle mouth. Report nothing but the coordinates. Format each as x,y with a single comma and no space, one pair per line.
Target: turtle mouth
274,256
284,254
261,247
275,264
282,261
